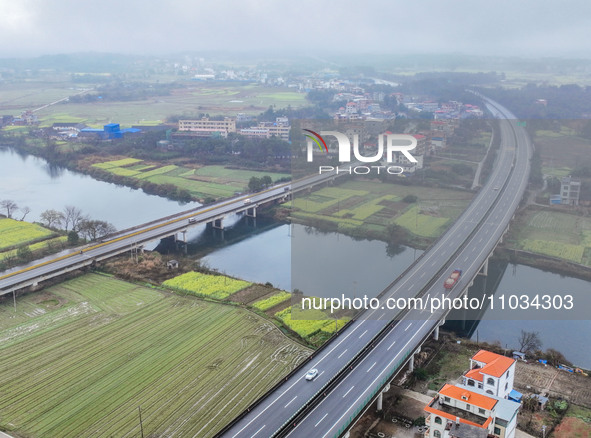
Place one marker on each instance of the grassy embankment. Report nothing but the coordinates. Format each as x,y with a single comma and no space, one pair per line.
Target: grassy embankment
80,357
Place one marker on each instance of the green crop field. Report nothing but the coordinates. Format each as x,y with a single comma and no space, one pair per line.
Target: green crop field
421,224
555,234
56,242
372,206
573,253
215,286
13,233
272,301
206,181
78,359
307,323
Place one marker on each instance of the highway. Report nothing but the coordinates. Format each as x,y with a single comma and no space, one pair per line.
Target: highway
49,267
466,245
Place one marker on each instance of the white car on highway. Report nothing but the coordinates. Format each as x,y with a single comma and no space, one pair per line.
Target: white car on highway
311,375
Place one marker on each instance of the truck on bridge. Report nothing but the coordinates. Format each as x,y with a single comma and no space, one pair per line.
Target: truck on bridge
452,279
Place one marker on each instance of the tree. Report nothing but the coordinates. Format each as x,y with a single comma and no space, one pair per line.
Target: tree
95,229
255,184
10,206
25,211
72,217
529,341
73,237
409,199
52,218
24,254
266,181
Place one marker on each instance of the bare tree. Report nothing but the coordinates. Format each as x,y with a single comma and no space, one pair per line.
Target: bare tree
10,206
529,341
25,211
95,229
52,218
72,217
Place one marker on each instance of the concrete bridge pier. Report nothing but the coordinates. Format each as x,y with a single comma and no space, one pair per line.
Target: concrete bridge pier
411,362
436,332
251,212
484,268
218,224
381,396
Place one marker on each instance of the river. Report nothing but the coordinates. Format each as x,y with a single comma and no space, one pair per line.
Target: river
32,182
261,251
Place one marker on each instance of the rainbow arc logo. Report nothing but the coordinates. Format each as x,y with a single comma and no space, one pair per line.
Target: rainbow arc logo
316,138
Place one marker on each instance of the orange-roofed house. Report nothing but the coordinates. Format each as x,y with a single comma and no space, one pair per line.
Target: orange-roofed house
459,412
492,373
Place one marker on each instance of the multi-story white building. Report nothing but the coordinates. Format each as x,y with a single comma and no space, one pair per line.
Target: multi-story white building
205,127
280,128
570,190
464,412
479,407
492,373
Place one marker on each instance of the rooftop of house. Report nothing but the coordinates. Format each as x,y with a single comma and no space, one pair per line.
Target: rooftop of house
467,431
504,409
468,396
450,414
495,364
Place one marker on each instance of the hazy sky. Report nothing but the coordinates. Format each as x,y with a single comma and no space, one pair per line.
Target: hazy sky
491,27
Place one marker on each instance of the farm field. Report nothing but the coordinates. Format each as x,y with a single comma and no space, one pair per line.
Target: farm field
575,424
305,323
15,233
555,234
203,285
203,182
207,181
77,360
562,152
308,323
372,206
190,99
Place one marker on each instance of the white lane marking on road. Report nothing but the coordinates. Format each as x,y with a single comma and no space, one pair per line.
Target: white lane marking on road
340,355
369,369
290,401
361,335
320,421
350,389
259,430
423,274
407,327
391,345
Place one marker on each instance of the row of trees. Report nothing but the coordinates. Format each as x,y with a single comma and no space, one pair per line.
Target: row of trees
73,221
256,184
